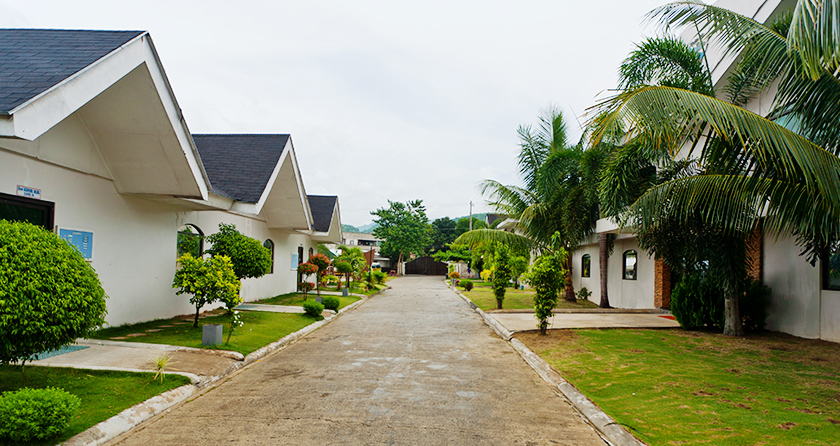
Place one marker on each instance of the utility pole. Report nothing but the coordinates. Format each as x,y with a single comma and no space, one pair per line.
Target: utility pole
471,206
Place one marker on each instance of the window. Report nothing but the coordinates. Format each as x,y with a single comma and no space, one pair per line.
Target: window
310,253
630,265
270,246
190,240
37,212
585,264
831,268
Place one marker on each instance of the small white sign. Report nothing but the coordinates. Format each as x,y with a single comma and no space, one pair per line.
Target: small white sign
29,192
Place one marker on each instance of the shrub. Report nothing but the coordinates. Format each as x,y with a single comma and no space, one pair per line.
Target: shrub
208,280
247,255
753,305
486,274
49,295
346,268
467,284
331,303
583,294
501,275
454,275
30,414
313,308
546,276
380,277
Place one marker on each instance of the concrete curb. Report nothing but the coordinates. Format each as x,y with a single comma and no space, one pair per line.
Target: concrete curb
127,419
606,427
135,415
164,347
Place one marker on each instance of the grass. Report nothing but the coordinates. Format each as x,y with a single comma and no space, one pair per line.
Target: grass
103,393
515,299
260,329
688,387
296,299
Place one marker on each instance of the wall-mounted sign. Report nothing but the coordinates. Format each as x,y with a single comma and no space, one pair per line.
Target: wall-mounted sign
82,240
29,192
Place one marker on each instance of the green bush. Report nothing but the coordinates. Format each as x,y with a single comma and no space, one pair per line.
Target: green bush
754,304
248,256
208,280
584,294
36,414
379,277
331,303
697,301
547,276
501,275
313,308
49,295
467,284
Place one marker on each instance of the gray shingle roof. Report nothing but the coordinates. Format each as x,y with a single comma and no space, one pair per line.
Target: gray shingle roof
239,166
34,60
322,207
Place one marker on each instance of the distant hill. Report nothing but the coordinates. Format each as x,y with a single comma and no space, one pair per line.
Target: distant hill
481,217
368,227
349,228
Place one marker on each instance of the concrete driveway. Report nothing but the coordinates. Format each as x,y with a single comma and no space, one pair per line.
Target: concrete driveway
413,365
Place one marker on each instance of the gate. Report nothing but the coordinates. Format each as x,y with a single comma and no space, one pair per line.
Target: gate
427,266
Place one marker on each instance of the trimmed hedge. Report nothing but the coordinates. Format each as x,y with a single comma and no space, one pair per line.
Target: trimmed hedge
49,295
313,308
36,414
331,303
697,301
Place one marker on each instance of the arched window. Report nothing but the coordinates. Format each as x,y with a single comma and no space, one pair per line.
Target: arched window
190,240
310,253
585,265
270,246
630,265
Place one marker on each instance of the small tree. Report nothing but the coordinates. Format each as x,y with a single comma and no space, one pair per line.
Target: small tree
322,262
49,295
518,266
346,268
306,269
208,280
547,276
501,274
247,255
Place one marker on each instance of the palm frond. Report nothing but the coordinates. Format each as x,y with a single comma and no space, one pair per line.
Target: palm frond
815,36
478,237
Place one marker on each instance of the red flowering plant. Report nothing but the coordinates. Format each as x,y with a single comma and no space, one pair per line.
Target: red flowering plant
322,262
306,287
306,269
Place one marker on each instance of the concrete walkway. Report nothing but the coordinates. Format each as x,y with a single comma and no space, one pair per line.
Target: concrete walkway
525,321
414,365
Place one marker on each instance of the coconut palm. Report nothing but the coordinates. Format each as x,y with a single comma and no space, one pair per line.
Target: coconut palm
752,167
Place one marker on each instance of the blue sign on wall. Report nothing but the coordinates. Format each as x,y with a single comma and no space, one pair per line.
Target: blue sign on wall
82,240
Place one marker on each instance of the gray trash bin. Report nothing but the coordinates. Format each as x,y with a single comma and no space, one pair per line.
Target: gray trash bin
211,334
345,292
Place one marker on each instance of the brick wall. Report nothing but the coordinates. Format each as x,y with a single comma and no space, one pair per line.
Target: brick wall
661,284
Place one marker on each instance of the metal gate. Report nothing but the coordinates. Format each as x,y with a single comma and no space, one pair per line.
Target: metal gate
427,266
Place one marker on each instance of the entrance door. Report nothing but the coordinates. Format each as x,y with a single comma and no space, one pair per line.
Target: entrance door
37,212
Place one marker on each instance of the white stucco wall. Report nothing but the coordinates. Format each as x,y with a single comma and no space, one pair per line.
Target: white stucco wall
134,241
795,301
593,282
630,293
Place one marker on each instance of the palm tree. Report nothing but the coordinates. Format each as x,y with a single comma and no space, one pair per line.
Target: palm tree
559,193
752,168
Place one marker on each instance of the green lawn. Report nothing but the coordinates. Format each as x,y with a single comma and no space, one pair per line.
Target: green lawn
482,296
103,393
296,299
688,387
261,328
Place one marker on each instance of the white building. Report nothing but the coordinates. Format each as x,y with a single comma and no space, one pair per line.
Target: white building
93,146
803,303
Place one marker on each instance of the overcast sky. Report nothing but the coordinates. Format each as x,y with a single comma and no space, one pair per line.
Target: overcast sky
383,99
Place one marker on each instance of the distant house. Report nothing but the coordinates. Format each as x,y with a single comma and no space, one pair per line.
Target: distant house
94,147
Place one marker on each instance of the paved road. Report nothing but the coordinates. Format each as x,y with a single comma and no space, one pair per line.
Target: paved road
412,366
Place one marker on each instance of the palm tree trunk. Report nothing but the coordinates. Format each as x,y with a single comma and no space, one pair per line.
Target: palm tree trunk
603,262
732,316
570,286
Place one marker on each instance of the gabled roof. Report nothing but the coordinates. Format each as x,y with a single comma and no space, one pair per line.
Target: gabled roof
240,166
323,208
34,60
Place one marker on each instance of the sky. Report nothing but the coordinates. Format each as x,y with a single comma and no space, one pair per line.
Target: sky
385,100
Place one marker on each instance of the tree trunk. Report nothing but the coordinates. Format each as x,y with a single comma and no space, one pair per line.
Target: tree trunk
603,262
400,266
570,286
732,316
499,303
197,310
